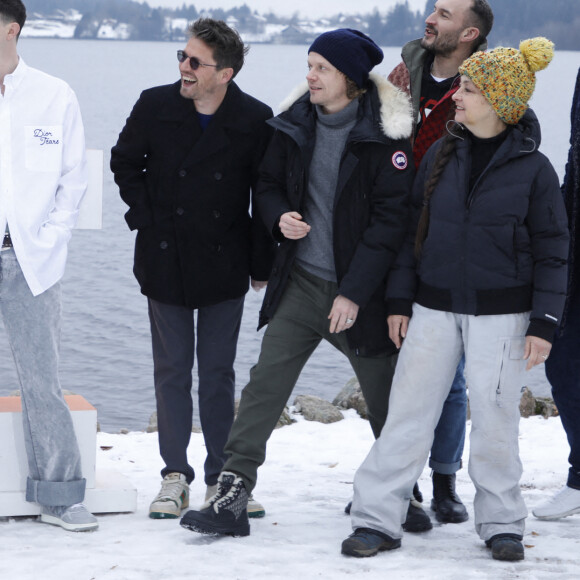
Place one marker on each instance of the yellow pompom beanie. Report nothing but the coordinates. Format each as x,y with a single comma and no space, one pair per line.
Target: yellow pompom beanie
506,76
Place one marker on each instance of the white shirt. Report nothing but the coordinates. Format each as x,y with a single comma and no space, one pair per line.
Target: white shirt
43,171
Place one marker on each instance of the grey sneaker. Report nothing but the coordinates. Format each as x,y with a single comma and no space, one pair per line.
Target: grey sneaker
74,518
172,497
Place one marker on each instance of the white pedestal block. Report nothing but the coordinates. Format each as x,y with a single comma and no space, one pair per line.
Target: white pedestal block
107,491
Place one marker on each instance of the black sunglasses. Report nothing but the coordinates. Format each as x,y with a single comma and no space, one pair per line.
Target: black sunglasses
194,62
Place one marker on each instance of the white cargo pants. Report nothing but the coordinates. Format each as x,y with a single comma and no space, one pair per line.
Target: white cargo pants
494,347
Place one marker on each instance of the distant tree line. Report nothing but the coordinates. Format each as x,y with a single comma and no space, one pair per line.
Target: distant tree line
515,20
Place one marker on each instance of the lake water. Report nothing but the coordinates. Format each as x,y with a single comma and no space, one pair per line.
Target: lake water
106,352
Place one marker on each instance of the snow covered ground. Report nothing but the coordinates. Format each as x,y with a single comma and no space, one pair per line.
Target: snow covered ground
304,485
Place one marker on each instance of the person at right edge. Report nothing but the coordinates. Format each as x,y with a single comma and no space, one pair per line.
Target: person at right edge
453,32
563,366
484,277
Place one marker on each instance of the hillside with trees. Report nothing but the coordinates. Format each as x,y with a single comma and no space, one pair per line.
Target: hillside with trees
558,20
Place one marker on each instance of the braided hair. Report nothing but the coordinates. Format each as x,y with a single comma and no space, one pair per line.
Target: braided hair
442,157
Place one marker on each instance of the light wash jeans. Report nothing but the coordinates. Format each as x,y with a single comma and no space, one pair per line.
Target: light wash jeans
33,327
435,342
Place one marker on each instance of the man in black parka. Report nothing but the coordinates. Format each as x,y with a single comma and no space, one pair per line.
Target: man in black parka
186,163
333,189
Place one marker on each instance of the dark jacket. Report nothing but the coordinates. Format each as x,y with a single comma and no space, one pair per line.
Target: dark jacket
408,76
188,193
571,193
497,249
371,204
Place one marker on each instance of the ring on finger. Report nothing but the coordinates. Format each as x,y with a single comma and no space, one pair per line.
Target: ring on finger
349,320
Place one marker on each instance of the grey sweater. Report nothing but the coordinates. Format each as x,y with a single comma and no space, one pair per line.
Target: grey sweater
315,251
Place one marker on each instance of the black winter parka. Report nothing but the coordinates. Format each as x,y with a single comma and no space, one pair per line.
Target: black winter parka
189,194
370,209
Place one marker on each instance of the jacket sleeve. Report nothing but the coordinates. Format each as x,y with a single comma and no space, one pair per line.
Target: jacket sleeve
548,230
74,175
402,281
263,246
382,238
129,165
271,196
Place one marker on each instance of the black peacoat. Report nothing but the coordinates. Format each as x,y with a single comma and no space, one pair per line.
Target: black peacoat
189,194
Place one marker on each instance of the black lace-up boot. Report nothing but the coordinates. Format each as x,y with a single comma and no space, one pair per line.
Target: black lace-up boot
227,513
446,504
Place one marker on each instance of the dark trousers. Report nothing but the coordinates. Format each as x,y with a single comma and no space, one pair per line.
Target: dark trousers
173,336
300,323
563,372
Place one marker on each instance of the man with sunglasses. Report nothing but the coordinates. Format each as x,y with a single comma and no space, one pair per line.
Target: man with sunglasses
186,163
43,177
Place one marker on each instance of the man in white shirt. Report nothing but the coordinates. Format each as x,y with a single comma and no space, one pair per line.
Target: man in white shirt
43,177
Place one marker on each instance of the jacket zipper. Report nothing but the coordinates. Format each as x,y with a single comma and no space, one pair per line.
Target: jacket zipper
516,257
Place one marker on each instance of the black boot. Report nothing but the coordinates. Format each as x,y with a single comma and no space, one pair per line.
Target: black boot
445,503
507,547
366,542
417,520
227,513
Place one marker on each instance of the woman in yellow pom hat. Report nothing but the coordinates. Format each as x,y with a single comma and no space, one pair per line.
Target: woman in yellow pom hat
483,274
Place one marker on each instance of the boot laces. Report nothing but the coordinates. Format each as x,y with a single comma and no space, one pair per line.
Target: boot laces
171,489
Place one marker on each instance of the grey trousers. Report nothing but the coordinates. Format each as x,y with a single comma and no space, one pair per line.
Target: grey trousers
33,327
300,323
493,346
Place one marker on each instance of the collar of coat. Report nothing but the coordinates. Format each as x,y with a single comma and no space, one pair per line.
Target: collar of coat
393,105
177,108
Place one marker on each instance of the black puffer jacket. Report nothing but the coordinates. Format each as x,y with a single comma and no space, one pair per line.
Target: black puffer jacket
497,249
371,204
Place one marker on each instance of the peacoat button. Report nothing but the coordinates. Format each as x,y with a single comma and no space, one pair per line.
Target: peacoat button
164,245
217,176
179,211
182,173
216,214
218,248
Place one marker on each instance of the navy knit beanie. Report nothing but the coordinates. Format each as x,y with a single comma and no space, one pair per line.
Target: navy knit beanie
353,53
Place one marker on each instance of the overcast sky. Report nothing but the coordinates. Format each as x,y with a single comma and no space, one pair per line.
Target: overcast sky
310,8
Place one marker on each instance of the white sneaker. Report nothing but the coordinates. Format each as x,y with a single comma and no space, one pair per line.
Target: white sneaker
255,508
564,503
210,491
172,498
74,518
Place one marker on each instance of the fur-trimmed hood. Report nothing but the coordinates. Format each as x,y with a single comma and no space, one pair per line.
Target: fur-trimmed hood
395,111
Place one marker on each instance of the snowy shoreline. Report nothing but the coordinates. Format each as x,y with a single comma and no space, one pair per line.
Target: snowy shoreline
304,485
